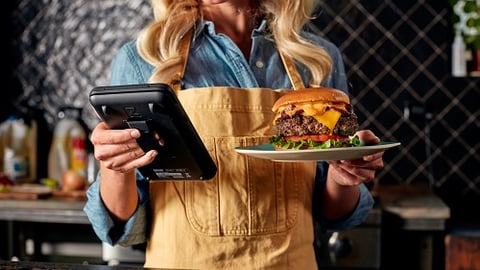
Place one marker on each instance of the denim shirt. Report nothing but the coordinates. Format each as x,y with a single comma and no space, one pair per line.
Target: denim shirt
212,54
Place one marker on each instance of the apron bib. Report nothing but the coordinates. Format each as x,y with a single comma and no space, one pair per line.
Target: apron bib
254,213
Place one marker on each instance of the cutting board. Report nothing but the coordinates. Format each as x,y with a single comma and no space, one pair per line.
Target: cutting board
26,192
35,191
74,194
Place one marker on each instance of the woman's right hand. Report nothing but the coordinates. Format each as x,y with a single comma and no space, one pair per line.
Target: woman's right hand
119,156
117,149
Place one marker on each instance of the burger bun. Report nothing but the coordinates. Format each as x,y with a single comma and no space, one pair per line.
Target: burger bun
311,95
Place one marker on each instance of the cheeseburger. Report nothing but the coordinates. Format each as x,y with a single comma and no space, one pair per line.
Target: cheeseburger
314,118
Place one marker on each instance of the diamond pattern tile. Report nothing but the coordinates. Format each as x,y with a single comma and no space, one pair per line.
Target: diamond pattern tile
66,48
397,57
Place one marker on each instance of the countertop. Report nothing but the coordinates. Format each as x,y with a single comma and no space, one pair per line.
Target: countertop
51,209
413,207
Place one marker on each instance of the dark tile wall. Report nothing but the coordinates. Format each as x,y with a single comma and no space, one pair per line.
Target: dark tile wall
397,54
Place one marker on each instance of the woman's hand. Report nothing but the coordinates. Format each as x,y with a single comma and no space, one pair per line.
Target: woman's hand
117,149
357,171
342,193
119,156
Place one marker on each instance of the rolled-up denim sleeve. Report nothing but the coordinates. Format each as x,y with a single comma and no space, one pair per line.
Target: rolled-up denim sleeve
127,68
358,215
131,232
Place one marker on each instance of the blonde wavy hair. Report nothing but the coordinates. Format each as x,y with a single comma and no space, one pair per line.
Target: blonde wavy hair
159,42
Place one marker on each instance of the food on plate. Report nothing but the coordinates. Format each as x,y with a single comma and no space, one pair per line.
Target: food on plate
314,118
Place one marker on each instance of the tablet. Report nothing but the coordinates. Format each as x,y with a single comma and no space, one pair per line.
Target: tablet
156,112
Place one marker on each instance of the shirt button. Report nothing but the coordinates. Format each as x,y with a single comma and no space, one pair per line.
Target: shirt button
259,64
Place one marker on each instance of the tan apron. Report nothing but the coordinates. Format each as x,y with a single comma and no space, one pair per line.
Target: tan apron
254,214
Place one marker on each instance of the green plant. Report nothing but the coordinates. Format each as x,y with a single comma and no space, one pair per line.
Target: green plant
466,20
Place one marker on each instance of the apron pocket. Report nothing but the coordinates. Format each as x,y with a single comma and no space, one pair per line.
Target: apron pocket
248,196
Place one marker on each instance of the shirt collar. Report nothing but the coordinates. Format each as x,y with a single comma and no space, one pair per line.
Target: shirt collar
209,28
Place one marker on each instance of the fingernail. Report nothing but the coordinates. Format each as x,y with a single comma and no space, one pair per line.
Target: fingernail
135,133
153,154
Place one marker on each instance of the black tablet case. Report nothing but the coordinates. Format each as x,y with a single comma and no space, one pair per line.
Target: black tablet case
154,108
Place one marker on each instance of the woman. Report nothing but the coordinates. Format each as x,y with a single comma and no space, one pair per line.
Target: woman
224,57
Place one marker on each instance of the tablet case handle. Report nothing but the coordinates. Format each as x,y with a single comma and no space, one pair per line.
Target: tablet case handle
147,140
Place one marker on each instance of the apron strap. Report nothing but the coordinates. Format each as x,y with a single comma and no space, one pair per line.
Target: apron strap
292,71
288,63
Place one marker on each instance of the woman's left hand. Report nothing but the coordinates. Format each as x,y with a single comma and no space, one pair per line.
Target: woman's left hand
357,171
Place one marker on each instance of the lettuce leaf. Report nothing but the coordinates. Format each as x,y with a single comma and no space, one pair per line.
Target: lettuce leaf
310,144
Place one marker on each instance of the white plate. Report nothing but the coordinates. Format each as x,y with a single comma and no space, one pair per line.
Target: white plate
266,151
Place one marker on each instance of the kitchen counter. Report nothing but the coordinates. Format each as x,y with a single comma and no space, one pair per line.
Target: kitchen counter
47,223
414,207
413,226
51,210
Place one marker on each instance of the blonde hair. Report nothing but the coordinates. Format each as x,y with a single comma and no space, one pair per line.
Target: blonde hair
159,42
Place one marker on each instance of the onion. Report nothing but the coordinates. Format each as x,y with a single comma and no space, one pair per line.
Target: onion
72,180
